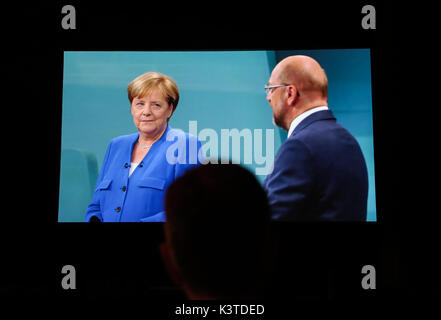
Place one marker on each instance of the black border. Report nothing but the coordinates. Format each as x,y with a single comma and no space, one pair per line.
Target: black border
37,43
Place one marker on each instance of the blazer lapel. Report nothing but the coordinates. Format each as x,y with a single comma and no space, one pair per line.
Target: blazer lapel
320,115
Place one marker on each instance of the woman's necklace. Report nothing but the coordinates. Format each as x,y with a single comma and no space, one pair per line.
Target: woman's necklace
144,147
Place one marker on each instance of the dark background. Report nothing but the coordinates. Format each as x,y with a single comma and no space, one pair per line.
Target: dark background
321,262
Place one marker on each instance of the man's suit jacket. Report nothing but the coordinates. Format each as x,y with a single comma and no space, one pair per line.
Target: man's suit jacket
140,197
319,174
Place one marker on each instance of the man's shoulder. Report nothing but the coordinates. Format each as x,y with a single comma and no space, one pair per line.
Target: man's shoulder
319,130
293,148
316,137
325,138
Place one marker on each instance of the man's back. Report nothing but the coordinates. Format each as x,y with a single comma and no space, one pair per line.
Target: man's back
319,174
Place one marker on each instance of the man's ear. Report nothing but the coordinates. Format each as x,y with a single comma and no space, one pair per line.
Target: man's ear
170,264
291,95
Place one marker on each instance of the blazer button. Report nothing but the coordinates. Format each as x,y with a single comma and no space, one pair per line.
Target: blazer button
140,165
124,188
118,209
126,165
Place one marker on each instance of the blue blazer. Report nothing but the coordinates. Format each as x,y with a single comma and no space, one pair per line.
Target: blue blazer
319,174
140,197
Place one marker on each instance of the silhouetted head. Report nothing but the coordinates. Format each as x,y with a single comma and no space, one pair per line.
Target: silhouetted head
217,220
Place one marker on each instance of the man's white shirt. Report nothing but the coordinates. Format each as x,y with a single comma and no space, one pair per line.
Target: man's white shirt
303,116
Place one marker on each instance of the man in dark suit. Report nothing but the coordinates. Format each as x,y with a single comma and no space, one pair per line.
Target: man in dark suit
319,172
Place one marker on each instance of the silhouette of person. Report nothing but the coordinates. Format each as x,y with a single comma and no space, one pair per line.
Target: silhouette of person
216,233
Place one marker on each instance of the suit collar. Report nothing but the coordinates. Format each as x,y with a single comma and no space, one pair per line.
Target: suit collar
319,115
303,116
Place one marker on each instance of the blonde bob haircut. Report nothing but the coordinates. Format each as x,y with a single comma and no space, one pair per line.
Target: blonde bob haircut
143,86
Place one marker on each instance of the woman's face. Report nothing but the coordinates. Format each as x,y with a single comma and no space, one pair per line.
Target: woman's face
150,113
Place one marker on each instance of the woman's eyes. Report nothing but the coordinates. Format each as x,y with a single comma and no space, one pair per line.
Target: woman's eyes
154,105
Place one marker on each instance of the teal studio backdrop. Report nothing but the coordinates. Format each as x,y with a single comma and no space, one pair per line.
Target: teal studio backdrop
219,91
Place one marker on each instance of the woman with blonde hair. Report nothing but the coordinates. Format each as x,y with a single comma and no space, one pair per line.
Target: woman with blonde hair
138,167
